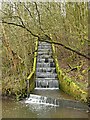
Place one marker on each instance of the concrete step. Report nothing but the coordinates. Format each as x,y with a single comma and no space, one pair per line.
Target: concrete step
45,65
40,44
44,53
44,56
44,43
46,79
52,70
46,84
46,75
45,60
44,47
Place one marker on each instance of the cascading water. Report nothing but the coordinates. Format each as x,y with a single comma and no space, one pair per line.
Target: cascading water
46,79
48,101
37,99
46,76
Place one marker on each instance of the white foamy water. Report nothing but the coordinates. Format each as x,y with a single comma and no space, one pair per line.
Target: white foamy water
37,99
46,88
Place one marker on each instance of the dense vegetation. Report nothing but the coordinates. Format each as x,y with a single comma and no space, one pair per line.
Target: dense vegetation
23,22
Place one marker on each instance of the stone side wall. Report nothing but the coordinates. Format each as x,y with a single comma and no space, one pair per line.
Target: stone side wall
67,85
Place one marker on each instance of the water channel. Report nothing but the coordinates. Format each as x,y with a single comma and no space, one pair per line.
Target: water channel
47,100
26,109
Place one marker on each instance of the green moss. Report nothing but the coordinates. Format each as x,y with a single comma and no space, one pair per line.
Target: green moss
32,86
13,86
66,84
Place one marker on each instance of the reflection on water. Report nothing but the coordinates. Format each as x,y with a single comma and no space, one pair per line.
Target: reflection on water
12,109
56,112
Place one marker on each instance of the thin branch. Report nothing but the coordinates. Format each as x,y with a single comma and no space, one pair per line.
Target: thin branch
28,10
3,12
15,17
20,20
39,19
68,48
48,9
32,16
11,23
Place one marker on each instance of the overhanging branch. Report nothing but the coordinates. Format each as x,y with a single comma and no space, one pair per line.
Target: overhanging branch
54,42
22,26
68,48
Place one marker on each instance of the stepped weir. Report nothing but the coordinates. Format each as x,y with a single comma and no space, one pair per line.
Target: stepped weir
46,76
47,80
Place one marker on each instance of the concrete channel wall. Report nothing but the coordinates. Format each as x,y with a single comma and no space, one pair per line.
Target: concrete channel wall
66,83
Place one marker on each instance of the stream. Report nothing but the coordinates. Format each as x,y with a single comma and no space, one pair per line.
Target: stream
68,108
47,100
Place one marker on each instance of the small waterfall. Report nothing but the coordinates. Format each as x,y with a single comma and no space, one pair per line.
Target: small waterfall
37,99
46,76
48,101
46,84
46,79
